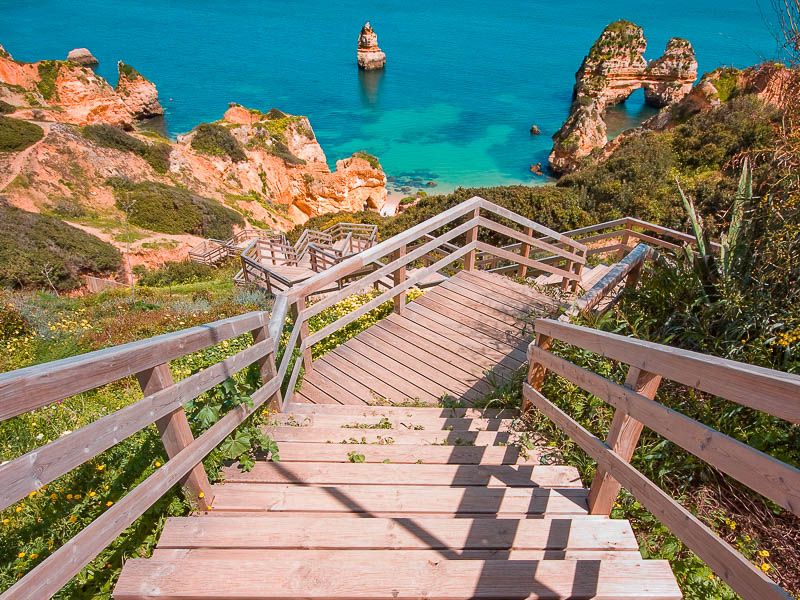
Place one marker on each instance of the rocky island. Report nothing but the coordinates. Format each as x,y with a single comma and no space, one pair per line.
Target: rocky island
614,68
370,56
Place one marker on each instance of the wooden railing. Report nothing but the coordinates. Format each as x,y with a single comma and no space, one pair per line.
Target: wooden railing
452,236
615,238
213,251
35,387
772,392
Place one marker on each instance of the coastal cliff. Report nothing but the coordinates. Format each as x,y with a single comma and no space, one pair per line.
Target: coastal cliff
614,68
370,56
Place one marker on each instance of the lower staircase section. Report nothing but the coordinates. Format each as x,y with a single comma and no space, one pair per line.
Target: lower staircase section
391,502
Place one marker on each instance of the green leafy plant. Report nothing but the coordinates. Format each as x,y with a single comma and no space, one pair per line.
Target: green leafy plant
355,457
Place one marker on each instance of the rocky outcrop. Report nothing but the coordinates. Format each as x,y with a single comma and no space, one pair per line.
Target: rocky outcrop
370,56
614,68
137,93
82,56
68,92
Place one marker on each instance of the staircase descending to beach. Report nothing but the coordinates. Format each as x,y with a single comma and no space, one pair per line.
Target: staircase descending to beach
393,482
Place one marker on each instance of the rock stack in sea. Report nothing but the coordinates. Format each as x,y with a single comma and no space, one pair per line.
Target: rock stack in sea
370,56
614,68
82,56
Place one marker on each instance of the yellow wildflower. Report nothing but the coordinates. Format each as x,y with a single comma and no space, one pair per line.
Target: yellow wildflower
766,567
100,467
21,555
6,521
53,496
32,494
201,495
157,464
72,518
77,496
763,553
109,503
34,556
69,496
19,509
92,494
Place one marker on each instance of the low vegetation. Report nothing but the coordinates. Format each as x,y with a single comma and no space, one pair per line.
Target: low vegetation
174,273
215,140
38,251
16,135
156,153
169,209
6,108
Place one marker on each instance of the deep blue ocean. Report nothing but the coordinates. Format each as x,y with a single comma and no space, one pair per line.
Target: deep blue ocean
464,81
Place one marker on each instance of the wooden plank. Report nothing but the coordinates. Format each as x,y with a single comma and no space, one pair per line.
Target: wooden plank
413,366
759,471
322,473
385,384
332,533
397,421
399,578
380,556
26,389
335,435
773,392
470,290
54,571
469,349
407,454
537,227
378,499
398,412
723,559
31,471
498,284
476,307
315,394
339,384
383,365
460,305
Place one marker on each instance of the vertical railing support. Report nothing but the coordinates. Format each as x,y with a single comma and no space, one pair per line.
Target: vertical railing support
525,252
626,240
472,236
267,367
297,310
536,370
399,277
177,435
623,436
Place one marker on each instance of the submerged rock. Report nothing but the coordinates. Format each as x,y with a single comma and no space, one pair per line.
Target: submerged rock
370,56
82,56
535,130
614,68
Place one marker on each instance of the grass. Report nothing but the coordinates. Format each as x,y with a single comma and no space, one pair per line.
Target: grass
156,154
48,74
16,135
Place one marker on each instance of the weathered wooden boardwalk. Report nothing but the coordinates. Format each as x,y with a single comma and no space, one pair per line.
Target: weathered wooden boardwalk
457,342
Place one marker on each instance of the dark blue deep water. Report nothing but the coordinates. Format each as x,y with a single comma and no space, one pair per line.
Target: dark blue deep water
465,79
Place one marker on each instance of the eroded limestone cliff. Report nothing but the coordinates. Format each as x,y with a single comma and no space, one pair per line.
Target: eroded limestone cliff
614,68
370,56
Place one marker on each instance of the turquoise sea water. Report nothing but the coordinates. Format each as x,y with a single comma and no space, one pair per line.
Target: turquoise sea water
464,80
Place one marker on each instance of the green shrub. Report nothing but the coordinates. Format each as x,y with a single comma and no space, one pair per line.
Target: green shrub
216,140
726,84
16,135
128,72
169,209
173,273
281,150
41,251
48,73
156,154
372,160
6,108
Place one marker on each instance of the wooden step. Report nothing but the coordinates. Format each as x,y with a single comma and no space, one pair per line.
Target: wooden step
398,578
402,411
333,533
320,473
382,500
409,454
401,423
336,435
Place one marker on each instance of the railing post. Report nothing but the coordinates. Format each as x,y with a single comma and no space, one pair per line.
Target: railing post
626,239
525,252
578,272
472,236
623,436
399,277
266,366
297,309
177,435
537,371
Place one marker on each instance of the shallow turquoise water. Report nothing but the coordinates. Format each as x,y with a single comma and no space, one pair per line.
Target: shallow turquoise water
464,80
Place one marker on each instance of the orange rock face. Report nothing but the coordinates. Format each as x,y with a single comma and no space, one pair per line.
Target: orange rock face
370,56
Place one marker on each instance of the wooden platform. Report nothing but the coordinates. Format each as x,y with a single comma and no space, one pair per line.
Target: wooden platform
458,341
427,520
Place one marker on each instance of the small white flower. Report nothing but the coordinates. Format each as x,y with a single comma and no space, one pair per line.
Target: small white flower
40,437
67,432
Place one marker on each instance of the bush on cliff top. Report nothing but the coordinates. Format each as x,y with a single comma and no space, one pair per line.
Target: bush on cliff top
174,273
216,140
16,135
370,158
156,154
41,251
169,209
6,108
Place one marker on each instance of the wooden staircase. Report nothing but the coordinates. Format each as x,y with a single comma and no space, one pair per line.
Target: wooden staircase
449,506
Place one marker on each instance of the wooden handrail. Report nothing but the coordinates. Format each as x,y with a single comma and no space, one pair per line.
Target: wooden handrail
33,387
774,392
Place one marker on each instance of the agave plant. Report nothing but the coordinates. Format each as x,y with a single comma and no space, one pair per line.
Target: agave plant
735,247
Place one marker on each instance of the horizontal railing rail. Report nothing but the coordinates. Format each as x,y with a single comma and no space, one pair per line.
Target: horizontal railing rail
212,251
162,403
773,392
